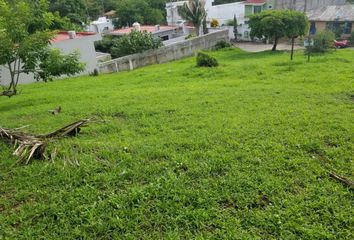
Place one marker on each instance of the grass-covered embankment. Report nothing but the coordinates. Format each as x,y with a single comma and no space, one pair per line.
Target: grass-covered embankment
240,151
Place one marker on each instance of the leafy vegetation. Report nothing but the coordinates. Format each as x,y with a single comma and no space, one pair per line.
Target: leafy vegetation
351,39
204,60
130,11
24,39
275,24
238,151
323,41
222,44
194,12
235,25
141,11
134,42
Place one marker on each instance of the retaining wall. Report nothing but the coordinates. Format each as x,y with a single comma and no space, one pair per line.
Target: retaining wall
164,54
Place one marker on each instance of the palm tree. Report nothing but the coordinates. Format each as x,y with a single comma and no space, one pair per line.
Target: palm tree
194,12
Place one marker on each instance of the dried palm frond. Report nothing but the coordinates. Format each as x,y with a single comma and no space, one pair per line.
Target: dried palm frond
30,146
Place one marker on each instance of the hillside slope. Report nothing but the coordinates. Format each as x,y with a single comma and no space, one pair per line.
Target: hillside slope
241,151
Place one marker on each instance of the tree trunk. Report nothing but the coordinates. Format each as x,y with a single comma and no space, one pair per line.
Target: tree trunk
275,44
197,30
11,90
292,48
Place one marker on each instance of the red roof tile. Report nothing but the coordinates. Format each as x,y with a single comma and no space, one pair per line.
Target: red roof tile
63,36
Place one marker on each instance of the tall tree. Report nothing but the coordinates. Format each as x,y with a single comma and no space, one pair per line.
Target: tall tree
194,12
75,10
24,41
296,24
235,24
131,11
275,24
268,24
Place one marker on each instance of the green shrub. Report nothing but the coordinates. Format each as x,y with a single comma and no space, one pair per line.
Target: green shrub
351,39
323,41
134,42
104,45
190,36
204,60
222,44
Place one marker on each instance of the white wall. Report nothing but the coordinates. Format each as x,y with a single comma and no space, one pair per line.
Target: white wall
101,25
222,13
87,55
225,12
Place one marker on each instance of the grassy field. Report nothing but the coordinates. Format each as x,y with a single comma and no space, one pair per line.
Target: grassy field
241,151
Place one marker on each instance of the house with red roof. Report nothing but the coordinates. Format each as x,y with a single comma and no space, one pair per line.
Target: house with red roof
66,42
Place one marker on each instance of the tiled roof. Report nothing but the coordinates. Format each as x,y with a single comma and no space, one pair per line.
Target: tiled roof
332,13
63,36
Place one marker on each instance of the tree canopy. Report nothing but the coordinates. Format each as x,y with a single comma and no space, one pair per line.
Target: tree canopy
194,12
25,34
275,24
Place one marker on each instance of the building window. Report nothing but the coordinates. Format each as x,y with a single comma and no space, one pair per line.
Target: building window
313,28
348,28
246,34
257,9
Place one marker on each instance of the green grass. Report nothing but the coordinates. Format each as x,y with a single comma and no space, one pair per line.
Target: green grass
240,151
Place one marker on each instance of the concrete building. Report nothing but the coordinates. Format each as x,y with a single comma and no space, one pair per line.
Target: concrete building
339,19
102,25
66,42
223,13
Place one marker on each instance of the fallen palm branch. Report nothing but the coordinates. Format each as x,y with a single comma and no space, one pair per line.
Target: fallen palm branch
30,146
346,181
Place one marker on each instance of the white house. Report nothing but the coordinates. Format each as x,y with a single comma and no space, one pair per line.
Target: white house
223,13
66,42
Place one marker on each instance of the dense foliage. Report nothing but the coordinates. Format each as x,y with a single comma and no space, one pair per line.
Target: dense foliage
352,39
204,60
24,39
222,44
134,42
142,11
194,11
323,41
275,24
130,11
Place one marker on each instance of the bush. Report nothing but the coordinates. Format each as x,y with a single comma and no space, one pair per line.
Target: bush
190,36
222,44
204,60
214,23
323,41
104,45
351,39
134,42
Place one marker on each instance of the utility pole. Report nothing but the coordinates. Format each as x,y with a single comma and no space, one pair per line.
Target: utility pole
305,6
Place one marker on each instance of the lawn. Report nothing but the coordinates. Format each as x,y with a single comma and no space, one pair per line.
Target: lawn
241,151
